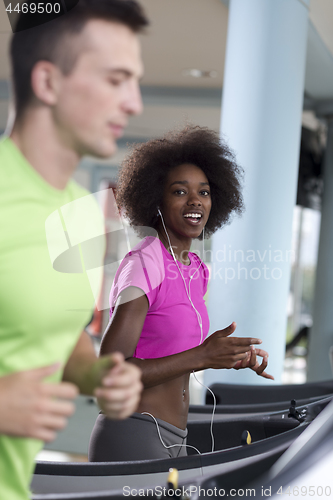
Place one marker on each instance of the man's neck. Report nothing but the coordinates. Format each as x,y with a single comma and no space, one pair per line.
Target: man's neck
36,137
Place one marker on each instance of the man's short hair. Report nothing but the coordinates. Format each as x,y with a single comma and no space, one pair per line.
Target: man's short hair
51,41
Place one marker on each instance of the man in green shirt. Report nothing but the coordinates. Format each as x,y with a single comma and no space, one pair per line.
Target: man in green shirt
75,84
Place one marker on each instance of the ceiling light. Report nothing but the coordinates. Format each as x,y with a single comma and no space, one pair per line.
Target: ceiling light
199,73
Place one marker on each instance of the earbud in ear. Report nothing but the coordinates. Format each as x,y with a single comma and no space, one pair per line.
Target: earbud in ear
159,212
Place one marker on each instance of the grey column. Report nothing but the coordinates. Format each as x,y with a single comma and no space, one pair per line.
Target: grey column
321,337
261,121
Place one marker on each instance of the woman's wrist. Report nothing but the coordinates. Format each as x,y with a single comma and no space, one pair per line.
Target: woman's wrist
199,359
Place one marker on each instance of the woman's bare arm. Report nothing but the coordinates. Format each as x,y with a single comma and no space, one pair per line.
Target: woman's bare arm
124,330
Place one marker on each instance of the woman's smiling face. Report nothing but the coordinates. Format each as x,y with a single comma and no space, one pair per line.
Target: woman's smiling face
186,201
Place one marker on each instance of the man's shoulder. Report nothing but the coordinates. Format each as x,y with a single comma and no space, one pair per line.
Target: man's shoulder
3,141
7,148
10,165
77,190
5,155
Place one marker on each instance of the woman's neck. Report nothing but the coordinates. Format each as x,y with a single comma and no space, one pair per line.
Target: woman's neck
179,246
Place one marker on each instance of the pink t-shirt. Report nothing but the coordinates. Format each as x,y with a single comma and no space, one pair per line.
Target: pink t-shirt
171,324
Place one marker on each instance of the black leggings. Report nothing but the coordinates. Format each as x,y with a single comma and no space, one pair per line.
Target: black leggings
135,438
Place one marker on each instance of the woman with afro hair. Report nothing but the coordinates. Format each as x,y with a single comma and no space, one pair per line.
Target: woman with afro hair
183,186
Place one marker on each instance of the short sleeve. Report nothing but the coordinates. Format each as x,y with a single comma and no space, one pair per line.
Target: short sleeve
205,274
142,268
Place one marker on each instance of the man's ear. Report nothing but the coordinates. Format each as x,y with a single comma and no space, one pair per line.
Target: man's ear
45,81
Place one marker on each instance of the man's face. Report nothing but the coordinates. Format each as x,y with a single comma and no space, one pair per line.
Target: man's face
96,99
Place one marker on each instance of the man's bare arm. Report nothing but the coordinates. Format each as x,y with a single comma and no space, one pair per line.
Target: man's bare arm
116,383
33,408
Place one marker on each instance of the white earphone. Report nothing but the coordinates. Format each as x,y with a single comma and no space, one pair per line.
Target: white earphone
188,293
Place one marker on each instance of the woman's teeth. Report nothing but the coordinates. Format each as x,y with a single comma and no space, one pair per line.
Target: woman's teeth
193,216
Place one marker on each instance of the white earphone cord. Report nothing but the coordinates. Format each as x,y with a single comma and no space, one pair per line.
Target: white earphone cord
213,412
201,335
159,435
181,274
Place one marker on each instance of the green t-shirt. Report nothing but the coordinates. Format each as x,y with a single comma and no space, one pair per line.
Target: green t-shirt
46,291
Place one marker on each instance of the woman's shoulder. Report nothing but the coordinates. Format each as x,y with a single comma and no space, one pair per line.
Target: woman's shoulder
145,259
148,248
